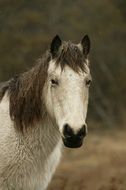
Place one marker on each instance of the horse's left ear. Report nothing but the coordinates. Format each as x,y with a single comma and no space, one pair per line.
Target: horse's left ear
55,45
85,43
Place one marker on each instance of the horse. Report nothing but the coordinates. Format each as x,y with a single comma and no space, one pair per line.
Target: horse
41,110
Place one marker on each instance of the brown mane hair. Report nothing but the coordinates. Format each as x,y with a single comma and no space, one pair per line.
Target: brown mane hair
25,90
69,54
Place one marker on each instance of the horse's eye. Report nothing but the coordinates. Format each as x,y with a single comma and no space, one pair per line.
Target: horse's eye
54,82
88,82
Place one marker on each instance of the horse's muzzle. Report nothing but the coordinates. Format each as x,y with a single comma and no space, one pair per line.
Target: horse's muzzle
72,143
72,140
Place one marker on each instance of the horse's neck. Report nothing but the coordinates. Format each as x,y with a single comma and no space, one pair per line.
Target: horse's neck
42,138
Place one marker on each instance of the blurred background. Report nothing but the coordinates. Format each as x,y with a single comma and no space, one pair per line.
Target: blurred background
26,30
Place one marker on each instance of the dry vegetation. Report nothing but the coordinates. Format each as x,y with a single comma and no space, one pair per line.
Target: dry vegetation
99,165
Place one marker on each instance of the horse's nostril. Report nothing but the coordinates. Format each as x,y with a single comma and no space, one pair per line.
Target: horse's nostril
82,132
67,131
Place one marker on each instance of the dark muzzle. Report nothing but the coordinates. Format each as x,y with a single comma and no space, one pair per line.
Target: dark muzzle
71,139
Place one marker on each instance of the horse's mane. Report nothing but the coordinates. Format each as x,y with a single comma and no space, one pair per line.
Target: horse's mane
25,90
3,88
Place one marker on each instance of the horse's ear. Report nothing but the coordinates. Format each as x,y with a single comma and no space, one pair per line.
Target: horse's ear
55,45
85,43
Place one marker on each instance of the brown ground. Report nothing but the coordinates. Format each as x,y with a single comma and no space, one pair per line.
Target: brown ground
99,165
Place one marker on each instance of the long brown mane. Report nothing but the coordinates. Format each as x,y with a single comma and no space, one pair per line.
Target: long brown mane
25,90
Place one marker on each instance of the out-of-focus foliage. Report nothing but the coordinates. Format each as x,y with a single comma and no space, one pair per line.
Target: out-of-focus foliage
27,27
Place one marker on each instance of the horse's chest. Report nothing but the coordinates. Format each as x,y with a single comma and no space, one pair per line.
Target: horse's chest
32,173
42,179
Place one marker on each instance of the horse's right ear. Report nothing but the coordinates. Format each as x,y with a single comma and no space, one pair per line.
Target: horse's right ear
55,45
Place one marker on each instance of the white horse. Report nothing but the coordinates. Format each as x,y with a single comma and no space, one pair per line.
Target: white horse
38,110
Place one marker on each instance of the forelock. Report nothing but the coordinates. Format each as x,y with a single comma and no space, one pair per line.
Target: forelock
70,54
